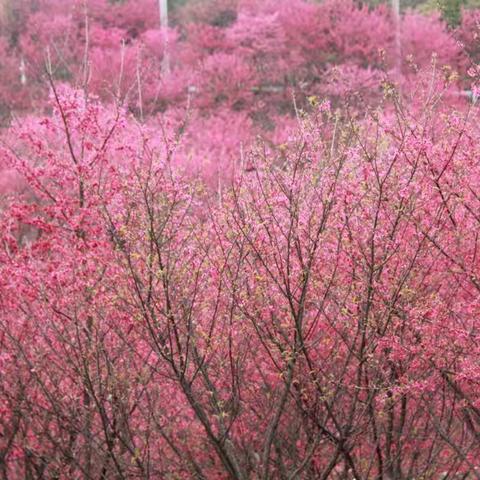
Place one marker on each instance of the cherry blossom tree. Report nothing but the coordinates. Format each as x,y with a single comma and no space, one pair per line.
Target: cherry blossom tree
314,317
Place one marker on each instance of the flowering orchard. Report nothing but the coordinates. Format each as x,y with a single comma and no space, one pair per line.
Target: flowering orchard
316,317
235,65
240,55
260,263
